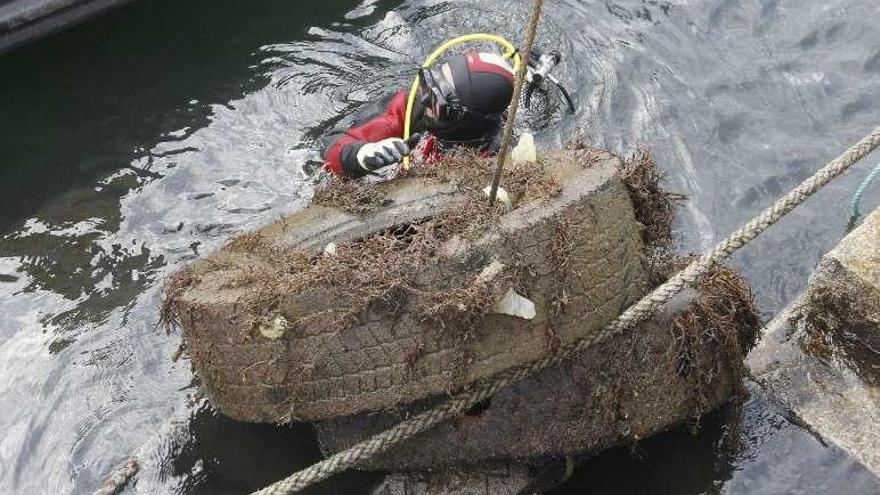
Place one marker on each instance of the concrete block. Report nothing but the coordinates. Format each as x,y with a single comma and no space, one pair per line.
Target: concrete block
508,480
22,21
822,358
842,305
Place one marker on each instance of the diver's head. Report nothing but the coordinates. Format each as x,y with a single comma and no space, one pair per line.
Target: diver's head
465,98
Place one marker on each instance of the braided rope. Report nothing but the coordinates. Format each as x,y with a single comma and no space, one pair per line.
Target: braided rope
514,102
857,197
635,314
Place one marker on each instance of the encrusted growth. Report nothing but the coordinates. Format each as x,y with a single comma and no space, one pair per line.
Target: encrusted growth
377,271
175,286
350,195
654,206
326,313
468,171
721,323
664,372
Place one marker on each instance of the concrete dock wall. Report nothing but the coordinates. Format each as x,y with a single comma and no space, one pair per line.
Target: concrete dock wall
823,361
23,21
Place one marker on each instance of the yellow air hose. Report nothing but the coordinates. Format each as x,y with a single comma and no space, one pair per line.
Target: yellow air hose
509,53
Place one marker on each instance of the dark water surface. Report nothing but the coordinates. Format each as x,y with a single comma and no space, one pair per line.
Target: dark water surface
136,142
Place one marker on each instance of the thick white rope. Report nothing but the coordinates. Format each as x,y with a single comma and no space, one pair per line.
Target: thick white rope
635,314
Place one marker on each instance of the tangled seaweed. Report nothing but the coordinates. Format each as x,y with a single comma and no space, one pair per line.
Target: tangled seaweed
469,172
350,195
379,271
654,206
383,272
722,322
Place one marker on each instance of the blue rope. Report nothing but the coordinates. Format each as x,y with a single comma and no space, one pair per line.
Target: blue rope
857,197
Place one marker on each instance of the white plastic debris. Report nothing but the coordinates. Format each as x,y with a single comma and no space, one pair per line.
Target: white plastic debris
330,249
490,271
514,304
501,195
524,151
275,329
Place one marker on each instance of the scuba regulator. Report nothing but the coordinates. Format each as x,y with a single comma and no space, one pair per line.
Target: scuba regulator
538,75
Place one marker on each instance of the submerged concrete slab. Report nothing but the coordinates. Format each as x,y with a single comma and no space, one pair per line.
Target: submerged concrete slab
822,360
509,480
22,21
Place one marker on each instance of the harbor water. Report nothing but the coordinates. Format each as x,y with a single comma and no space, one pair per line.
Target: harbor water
141,140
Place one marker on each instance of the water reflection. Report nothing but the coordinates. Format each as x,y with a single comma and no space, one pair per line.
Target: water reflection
198,460
758,462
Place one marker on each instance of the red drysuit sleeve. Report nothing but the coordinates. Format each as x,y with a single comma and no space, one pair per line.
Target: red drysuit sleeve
381,120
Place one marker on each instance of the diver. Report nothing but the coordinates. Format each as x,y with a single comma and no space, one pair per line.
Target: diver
462,102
